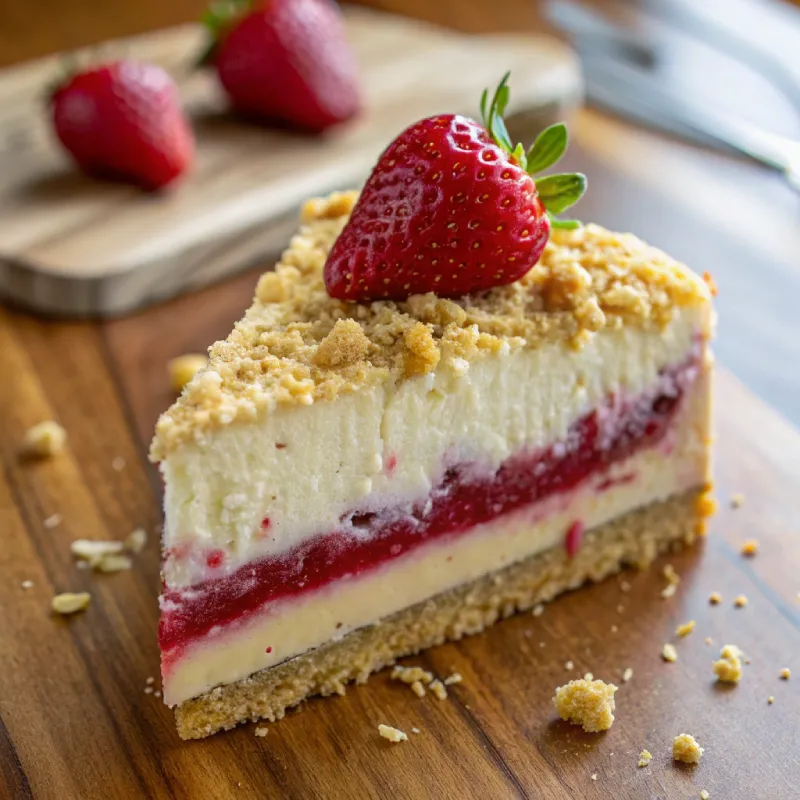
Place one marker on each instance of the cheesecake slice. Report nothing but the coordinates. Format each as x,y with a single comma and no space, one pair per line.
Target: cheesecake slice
348,483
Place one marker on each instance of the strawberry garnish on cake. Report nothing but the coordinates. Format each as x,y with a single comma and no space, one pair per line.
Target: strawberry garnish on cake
391,450
453,207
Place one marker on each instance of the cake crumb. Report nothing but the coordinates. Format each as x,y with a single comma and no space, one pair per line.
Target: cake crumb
27,584
740,601
53,521
183,368
44,440
392,734
704,795
568,665
453,679
669,653
627,675
715,598
624,586
750,548
415,730
594,776
728,668
148,690
786,673
150,680
118,464
135,541
737,500
685,629
418,689
670,574
644,758
708,640
669,590
614,629
620,609
156,693
770,700
69,602
113,563
411,674
538,610
588,676
589,704
261,732
686,749
93,550
437,687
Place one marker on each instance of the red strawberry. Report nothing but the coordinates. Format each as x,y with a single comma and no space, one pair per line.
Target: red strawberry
123,121
288,60
451,208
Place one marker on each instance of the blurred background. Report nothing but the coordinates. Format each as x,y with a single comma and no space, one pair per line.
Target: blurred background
684,115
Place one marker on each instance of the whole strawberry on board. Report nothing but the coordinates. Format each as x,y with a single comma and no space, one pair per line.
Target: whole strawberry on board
451,207
123,121
285,61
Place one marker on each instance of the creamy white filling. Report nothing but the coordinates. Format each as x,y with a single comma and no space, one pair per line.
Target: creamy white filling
287,628
262,488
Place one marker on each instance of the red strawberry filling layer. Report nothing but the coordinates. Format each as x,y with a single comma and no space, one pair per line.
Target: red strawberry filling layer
465,497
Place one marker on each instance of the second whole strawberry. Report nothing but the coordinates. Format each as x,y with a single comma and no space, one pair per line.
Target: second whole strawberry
285,61
123,121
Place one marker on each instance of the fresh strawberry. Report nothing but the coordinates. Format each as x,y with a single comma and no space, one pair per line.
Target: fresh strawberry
123,121
287,61
451,208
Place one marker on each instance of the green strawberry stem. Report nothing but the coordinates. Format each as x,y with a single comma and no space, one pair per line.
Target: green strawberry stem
557,192
216,19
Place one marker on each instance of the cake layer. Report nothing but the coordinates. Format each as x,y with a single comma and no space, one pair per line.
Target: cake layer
197,656
389,446
633,539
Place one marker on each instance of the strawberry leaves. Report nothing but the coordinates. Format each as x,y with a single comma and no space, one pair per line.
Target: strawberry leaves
557,192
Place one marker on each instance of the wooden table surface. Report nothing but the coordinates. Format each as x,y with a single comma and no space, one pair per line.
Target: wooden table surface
75,721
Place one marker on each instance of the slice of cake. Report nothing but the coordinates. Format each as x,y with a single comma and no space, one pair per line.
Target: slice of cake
349,482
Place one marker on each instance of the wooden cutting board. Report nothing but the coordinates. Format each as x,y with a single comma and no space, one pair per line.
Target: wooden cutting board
73,246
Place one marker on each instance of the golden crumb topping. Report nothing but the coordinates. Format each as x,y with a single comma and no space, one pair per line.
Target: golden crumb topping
685,748
645,757
589,704
296,345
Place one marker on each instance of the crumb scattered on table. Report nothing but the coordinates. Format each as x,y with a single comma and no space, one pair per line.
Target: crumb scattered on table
737,500
740,601
620,609
669,590
27,584
685,629
438,690
786,673
113,563
627,675
750,547
704,795
261,732
415,730
118,464
669,653
392,734
136,540
150,680
148,690
644,758
728,668
53,521
708,640
770,700
686,749
418,688
568,665
614,629
589,704
538,610
715,598
453,679
410,674
44,440
70,603
594,776
624,586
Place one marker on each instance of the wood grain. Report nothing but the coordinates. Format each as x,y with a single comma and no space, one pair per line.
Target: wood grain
70,245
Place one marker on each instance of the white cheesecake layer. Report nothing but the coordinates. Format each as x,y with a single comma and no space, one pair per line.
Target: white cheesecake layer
262,488
286,629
